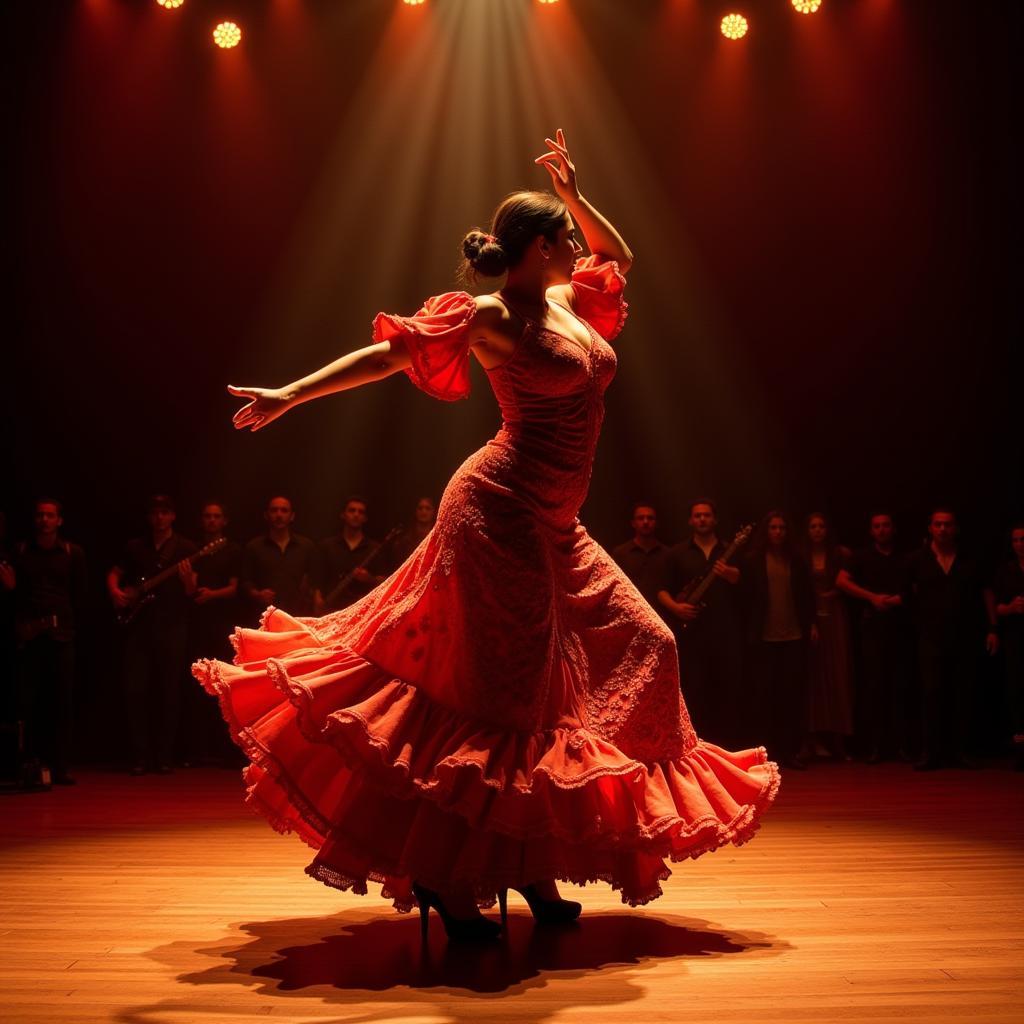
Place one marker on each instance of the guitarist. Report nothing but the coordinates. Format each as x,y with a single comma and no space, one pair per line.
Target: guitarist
156,641
343,554
710,641
50,594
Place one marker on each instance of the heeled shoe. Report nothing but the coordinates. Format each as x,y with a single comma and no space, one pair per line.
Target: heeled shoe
544,911
461,929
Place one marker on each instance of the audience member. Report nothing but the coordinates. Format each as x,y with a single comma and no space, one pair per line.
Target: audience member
708,634
346,559
876,578
642,559
280,568
780,626
156,638
950,614
50,595
830,682
1009,594
422,523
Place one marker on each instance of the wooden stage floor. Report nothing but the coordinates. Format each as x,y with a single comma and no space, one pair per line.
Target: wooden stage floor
870,894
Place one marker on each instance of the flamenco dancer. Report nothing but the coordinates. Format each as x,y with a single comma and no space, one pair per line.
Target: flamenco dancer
504,710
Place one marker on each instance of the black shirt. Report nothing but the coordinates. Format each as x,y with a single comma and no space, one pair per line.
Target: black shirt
644,567
881,574
337,559
291,574
50,581
948,607
685,563
1008,584
219,568
142,560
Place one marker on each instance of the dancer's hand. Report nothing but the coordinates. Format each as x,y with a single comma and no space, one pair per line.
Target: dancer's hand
560,167
264,406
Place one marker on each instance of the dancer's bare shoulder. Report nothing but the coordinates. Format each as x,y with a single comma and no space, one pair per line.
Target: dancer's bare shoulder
494,332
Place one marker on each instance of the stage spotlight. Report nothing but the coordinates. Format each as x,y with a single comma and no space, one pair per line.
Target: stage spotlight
412,3
170,4
806,6
734,26
227,34
547,1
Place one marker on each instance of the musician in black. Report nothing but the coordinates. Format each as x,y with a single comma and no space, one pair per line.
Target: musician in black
156,639
214,615
950,609
1008,587
50,594
876,578
708,635
281,567
344,555
642,558
422,523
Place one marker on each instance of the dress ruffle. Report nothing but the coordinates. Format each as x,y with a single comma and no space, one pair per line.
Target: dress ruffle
437,339
388,785
599,295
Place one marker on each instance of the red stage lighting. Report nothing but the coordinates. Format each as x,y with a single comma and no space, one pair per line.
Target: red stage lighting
413,3
227,34
170,4
547,1
734,26
806,6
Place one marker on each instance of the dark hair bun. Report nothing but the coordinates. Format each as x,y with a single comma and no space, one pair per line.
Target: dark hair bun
484,254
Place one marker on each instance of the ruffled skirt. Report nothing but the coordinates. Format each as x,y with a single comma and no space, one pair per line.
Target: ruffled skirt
389,785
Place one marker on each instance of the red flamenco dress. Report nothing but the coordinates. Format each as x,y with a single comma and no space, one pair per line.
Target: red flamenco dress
505,707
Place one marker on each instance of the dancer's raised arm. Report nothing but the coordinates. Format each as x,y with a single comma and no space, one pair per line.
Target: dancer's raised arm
365,365
601,236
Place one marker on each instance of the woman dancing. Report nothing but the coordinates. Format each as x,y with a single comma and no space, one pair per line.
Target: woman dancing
504,710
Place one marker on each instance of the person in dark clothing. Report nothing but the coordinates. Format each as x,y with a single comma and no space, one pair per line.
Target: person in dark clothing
1008,588
642,559
423,522
876,578
280,568
708,635
950,611
779,603
830,675
214,586
343,554
8,694
50,593
156,640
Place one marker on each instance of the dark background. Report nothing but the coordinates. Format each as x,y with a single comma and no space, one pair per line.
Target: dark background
826,216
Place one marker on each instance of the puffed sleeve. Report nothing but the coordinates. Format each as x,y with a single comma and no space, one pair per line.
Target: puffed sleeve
597,295
437,340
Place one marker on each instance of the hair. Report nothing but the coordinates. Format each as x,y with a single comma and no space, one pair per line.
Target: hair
215,501
944,510
46,500
355,497
759,543
713,505
834,552
642,504
279,497
875,513
518,220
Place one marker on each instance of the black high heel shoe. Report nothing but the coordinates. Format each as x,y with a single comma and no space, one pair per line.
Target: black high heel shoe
544,911
473,929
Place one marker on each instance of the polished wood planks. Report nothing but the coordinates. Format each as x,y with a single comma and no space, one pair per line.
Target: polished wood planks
871,894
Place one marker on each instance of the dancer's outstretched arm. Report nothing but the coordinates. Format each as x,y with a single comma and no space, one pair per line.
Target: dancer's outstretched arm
365,365
601,236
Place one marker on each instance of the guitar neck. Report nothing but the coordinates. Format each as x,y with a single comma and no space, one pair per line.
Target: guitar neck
701,589
165,574
342,585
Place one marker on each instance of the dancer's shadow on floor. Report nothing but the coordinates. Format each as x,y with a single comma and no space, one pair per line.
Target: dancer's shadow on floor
357,951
